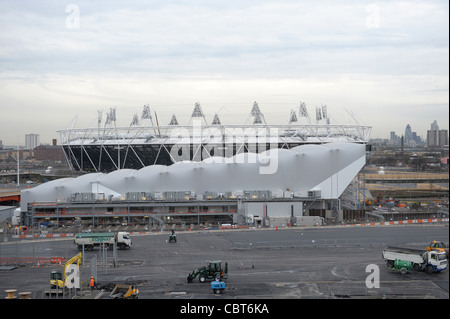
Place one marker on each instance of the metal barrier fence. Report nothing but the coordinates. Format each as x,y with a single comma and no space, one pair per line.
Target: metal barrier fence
37,261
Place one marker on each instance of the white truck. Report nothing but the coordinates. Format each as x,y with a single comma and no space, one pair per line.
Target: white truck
16,218
91,240
421,260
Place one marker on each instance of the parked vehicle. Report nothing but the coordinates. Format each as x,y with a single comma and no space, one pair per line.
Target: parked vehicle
58,278
421,260
173,237
125,292
218,286
212,271
91,240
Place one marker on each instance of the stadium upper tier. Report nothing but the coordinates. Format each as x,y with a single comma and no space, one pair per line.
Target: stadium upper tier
108,147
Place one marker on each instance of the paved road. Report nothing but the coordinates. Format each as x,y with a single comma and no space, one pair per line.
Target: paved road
314,263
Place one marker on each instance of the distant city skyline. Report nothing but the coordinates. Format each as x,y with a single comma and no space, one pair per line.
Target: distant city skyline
386,61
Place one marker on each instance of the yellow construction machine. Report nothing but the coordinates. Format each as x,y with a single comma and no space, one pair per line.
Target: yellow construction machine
59,279
125,292
439,246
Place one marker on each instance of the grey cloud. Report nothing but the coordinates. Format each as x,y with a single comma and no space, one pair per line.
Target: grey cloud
377,55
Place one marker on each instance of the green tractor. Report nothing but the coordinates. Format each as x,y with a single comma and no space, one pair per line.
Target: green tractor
212,271
173,237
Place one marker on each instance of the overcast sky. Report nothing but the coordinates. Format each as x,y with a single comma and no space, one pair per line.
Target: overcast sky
385,61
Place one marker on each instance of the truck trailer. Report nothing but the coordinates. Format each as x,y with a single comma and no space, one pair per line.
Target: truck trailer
91,240
421,260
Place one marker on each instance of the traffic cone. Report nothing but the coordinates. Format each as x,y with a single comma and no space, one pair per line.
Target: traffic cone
38,265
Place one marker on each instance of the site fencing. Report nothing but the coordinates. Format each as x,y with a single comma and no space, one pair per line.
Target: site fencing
31,261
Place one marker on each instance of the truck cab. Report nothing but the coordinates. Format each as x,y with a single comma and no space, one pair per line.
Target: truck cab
437,261
123,240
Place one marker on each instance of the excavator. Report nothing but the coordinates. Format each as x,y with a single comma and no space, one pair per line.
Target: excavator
59,279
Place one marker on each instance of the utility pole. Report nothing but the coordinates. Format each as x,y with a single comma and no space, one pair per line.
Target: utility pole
18,159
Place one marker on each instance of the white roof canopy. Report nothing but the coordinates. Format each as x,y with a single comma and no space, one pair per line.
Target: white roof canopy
326,167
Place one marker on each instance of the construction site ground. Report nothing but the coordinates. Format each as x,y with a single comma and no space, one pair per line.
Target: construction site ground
300,262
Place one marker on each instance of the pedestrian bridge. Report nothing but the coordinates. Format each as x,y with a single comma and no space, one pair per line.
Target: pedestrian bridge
9,195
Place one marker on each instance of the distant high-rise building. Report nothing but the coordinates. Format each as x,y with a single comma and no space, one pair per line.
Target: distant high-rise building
394,139
416,138
408,136
443,137
434,126
436,137
31,141
432,138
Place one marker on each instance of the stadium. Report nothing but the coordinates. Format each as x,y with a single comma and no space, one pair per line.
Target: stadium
145,142
203,174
